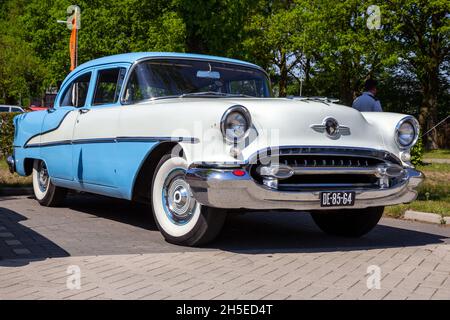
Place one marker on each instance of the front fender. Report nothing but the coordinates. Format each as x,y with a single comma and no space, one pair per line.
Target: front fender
386,123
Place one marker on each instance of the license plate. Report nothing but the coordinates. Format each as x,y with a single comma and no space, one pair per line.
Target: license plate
337,199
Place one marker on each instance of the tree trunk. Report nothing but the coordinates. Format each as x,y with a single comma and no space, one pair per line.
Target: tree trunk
345,88
283,75
428,109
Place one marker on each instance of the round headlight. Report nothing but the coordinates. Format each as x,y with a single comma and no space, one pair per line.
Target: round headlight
407,132
235,123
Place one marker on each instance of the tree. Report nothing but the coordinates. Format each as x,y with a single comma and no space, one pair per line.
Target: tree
215,26
419,31
272,38
345,50
20,69
106,28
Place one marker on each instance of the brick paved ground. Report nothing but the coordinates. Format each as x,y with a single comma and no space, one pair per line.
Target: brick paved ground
258,256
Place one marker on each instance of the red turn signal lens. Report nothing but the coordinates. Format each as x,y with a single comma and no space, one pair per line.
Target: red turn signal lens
239,173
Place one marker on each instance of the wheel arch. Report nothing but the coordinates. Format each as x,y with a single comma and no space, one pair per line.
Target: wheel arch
28,165
142,184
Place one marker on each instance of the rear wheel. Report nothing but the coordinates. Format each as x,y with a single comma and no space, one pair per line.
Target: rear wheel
180,218
46,193
348,223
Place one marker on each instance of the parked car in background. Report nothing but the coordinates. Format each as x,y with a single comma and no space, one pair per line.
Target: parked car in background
196,136
7,108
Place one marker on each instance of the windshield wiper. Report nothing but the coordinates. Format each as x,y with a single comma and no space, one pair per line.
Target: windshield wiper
199,94
213,93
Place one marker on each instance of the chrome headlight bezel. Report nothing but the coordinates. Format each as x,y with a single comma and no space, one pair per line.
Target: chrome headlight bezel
246,115
415,126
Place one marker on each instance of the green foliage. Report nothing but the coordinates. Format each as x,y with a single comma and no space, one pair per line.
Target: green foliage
106,28
20,69
6,132
324,46
417,153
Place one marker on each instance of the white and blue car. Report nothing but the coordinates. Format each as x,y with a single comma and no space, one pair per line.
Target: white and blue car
198,136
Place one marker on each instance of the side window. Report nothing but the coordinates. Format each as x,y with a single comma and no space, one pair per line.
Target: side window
76,94
4,109
109,83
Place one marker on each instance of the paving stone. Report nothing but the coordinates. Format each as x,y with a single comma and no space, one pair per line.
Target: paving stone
128,259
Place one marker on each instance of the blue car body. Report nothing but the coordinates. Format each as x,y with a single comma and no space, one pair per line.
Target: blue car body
91,165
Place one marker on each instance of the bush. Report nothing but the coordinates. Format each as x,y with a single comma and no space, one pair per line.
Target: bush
417,153
6,132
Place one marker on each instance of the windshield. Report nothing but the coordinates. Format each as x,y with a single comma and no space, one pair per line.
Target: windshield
176,77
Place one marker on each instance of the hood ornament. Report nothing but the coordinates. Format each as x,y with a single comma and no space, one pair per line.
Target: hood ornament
331,127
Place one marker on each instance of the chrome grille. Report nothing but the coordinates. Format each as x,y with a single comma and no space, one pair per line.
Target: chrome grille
324,169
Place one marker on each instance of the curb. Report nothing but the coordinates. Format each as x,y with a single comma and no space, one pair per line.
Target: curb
16,191
431,160
426,217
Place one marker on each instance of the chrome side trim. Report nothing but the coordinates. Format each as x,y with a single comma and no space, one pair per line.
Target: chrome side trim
113,140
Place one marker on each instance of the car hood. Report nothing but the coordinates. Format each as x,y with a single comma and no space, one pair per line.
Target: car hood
289,122
278,122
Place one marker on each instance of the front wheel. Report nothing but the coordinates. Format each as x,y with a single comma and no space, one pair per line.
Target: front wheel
179,217
348,222
46,193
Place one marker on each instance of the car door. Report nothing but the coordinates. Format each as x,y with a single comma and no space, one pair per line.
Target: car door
58,125
94,136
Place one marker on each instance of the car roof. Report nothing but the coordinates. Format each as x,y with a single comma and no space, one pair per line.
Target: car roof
135,56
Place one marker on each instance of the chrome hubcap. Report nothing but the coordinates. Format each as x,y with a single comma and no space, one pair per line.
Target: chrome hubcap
43,178
178,201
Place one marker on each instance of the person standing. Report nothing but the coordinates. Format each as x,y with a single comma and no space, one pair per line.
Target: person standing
367,101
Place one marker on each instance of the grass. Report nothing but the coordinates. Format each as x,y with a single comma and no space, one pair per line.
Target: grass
11,180
434,192
437,154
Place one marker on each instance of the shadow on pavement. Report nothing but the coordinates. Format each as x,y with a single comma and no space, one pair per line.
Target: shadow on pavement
118,210
269,231
296,232
95,225
19,245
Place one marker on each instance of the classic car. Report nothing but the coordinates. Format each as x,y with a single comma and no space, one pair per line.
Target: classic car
197,137
6,108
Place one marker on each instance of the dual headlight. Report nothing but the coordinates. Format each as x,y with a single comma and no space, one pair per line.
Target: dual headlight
235,123
407,132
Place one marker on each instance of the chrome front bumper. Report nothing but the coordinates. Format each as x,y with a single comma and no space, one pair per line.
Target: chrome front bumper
220,188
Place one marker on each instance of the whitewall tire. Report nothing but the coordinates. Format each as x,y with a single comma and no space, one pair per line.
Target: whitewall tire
45,192
180,218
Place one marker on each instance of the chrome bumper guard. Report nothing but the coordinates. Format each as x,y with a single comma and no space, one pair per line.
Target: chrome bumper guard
220,188
11,164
